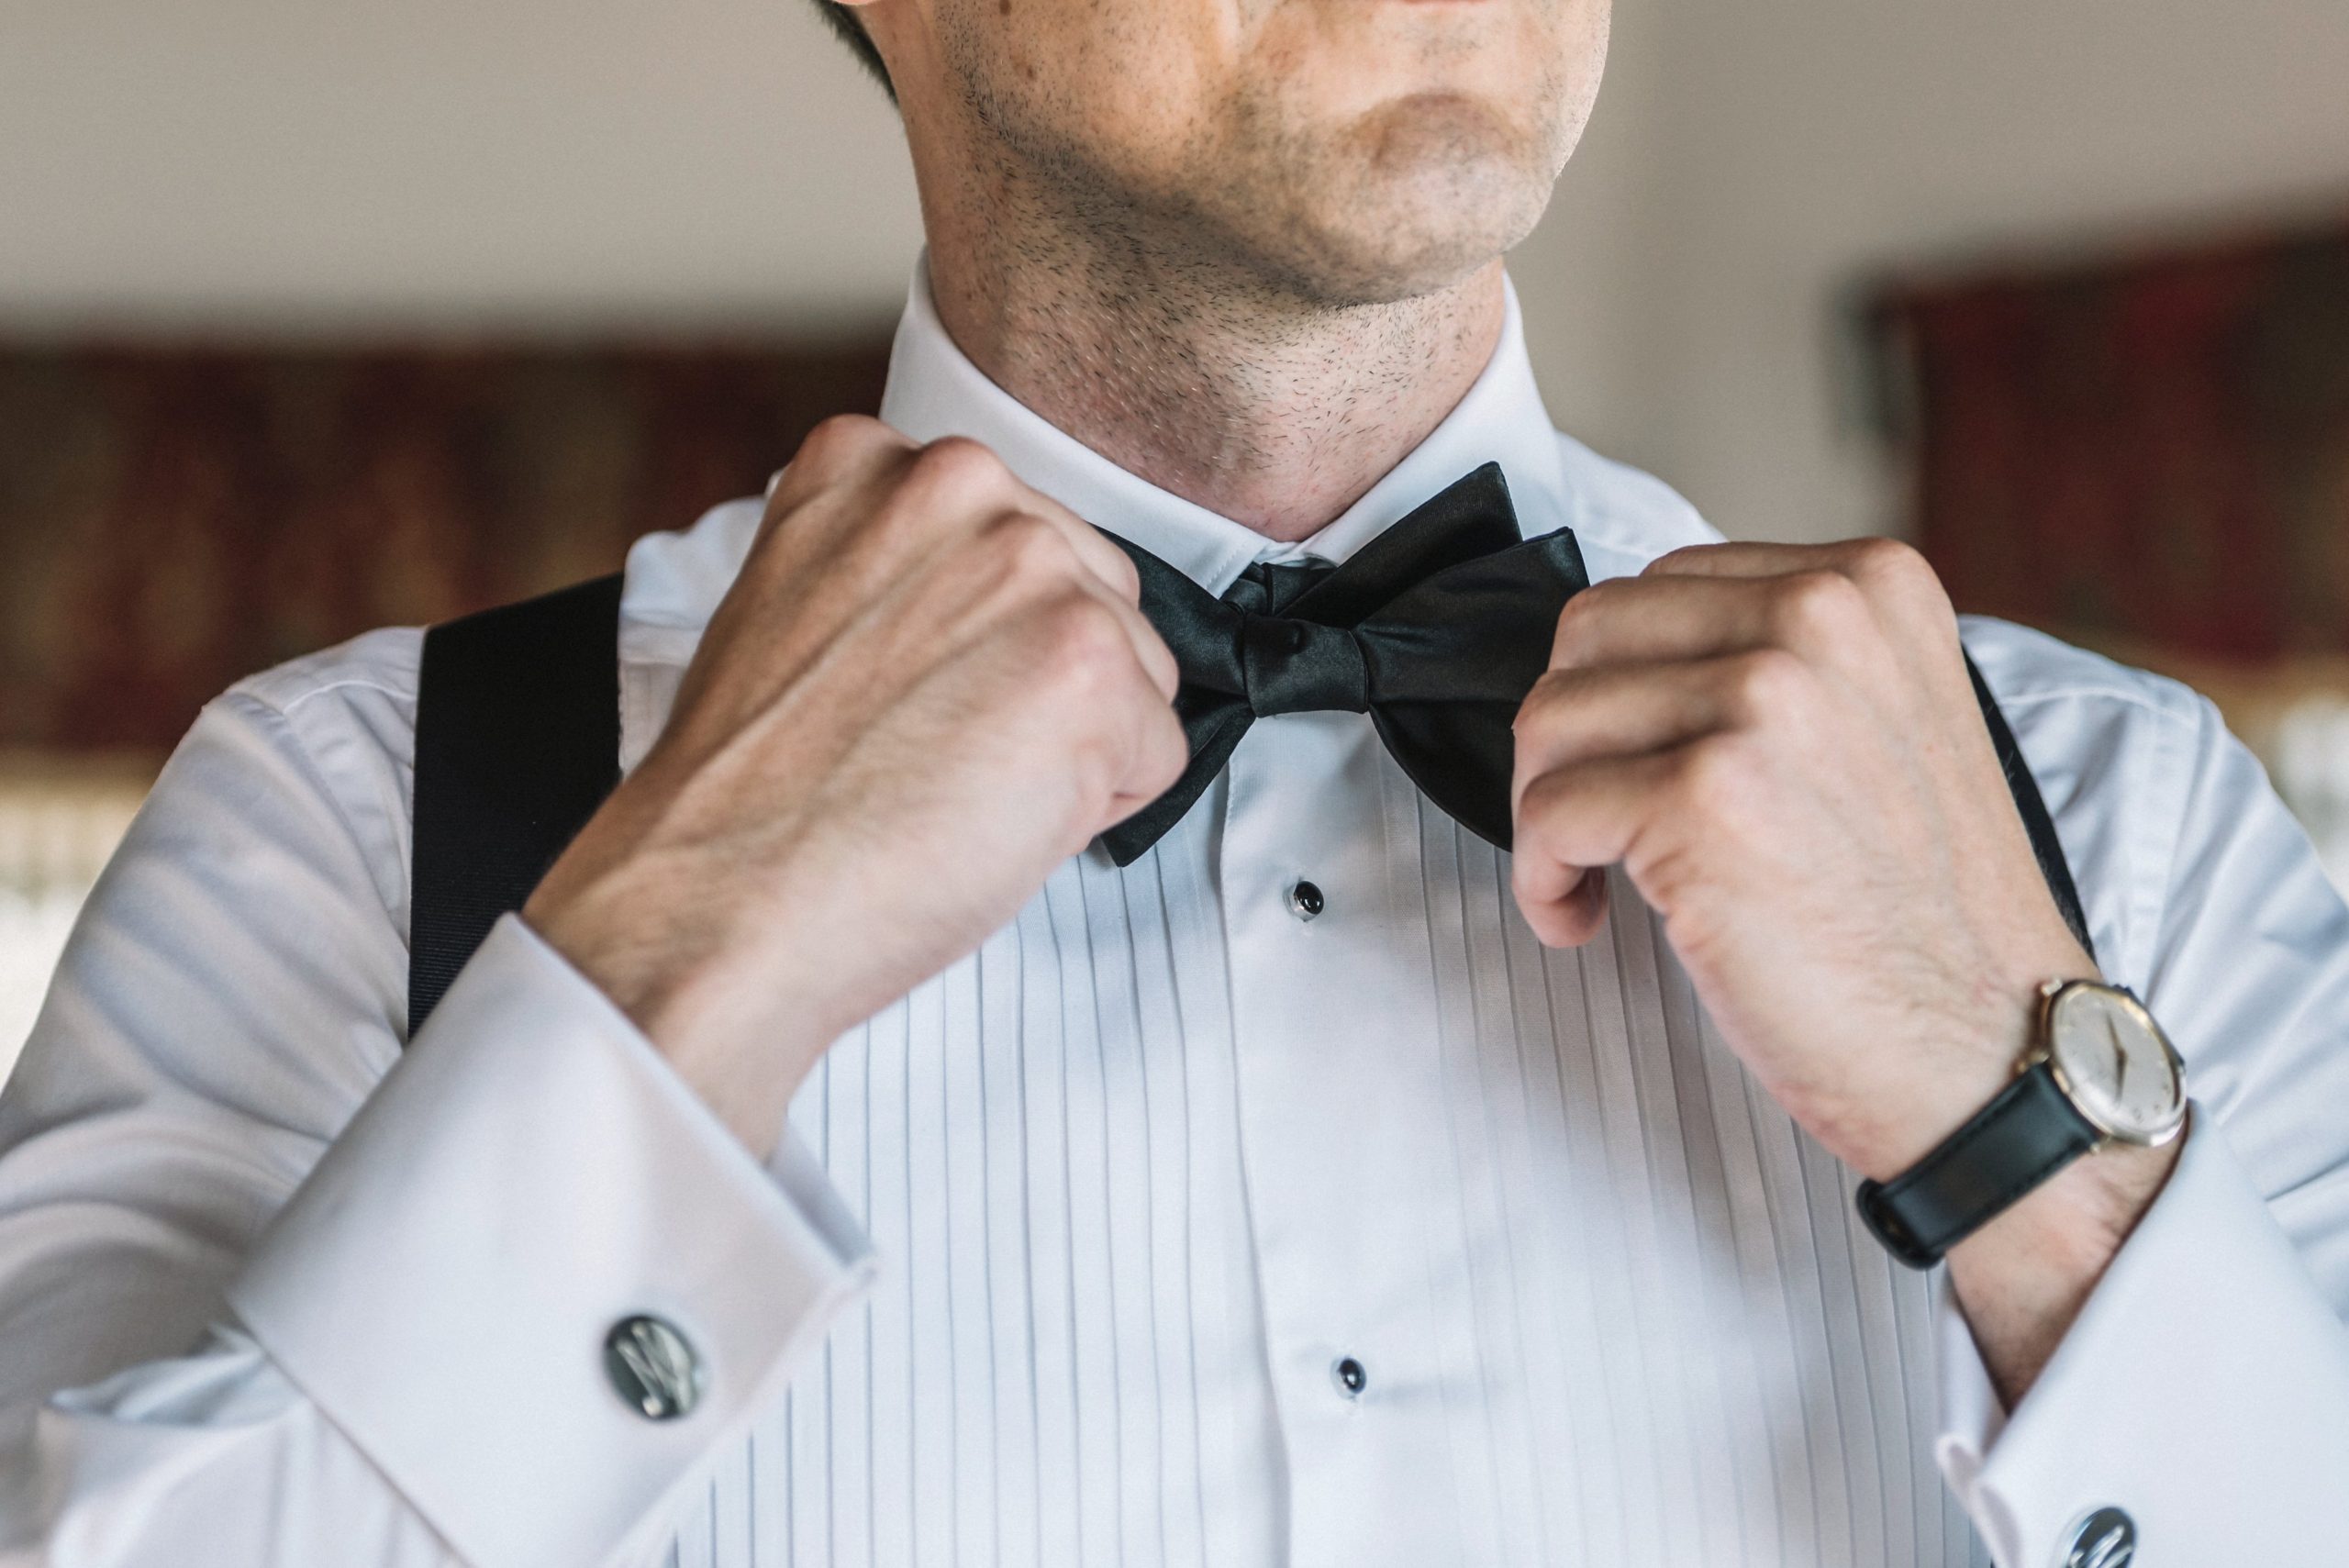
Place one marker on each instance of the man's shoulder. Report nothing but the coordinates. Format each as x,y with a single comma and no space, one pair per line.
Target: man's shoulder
343,720
1623,516
2118,753
2028,669
380,665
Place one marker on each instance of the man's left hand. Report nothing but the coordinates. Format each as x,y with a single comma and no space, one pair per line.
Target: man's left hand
1781,746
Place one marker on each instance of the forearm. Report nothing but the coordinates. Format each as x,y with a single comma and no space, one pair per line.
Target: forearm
420,1328
448,1282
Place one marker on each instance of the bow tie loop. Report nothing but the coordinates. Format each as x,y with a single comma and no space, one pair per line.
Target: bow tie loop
1298,666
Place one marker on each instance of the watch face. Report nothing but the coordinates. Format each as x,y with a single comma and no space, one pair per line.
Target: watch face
2116,1064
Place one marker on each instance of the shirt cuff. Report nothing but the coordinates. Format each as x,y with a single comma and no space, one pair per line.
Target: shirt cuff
531,1174
2203,1391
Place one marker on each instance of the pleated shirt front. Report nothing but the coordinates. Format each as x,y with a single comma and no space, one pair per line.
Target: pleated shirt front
1143,1171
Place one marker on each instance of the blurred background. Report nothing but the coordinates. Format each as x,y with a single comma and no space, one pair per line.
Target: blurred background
319,317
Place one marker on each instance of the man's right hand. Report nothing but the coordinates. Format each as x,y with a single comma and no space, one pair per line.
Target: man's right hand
928,685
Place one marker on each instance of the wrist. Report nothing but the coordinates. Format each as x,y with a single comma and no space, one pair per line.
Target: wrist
1980,1040
2073,1223
2022,1279
2033,1187
715,1025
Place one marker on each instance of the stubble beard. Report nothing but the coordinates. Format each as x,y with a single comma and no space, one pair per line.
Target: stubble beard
1267,215
1263,308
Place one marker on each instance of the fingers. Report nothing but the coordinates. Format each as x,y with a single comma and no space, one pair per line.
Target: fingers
1608,759
1575,716
1572,917
1743,560
847,452
913,494
1094,549
1817,613
1703,599
1028,561
1157,661
1080,680
943,536
1572,822
1160,754
957,480
1870,562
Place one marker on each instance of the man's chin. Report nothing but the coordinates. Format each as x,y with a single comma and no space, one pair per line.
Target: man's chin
1423,196
1384,267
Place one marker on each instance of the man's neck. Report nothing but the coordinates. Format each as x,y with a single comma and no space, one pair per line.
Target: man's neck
1271,410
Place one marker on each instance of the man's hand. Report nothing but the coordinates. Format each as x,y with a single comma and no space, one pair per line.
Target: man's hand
928,685
1781,746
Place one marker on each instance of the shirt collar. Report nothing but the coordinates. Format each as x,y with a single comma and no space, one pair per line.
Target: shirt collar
935,390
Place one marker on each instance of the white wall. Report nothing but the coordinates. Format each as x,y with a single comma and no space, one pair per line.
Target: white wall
547,162
1793,146
578,162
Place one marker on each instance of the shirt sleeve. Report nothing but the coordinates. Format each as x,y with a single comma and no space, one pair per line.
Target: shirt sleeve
2204,1389
271,1282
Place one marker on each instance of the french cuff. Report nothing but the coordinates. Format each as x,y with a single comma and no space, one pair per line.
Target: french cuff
529,1177
2203,1392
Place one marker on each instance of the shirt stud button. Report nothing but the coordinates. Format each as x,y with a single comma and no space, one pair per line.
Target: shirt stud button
1349,1377
2106,1538
652,1368
1305,901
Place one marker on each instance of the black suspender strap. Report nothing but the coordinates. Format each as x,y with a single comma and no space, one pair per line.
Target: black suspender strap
2040,828
518,741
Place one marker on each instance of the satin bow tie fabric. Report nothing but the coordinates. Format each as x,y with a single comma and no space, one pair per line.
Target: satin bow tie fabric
1437,628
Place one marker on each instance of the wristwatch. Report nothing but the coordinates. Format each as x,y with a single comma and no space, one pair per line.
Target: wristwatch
2100,1071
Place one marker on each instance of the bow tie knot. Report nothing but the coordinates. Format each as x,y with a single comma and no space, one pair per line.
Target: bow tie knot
1436,628
1297,666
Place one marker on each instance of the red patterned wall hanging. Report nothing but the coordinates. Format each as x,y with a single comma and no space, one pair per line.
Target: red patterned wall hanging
173,518
2150,453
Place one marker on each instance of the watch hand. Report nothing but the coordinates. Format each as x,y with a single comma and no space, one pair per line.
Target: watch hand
2120,1059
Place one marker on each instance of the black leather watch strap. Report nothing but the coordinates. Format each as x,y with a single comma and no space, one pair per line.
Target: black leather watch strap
2017,1140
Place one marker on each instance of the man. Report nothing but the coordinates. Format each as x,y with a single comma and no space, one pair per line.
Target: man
927,1116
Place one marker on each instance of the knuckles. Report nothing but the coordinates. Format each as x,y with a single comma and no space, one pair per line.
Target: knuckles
1582,612
1123,575
957,465
1081,646
1027,551
838,442
1819,609
1766,685
833,456
1894,580
1891,569
1714,777
1541,702
944,481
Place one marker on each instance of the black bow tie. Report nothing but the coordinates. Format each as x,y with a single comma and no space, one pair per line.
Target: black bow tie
1437,628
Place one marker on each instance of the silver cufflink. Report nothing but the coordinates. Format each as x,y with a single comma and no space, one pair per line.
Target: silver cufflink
652,1367
2105,1539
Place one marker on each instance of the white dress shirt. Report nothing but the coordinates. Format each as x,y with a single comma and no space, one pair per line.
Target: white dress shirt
1062,1249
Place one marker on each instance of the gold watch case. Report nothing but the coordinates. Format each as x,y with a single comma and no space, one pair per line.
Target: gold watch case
2111,1060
